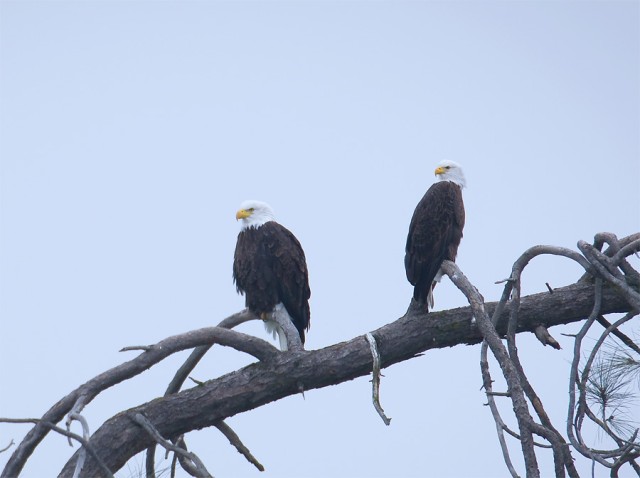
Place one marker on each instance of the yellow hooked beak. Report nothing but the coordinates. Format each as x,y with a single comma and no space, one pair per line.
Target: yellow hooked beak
242,214
440,170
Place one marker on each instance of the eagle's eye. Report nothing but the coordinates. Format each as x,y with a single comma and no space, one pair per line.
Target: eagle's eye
250,209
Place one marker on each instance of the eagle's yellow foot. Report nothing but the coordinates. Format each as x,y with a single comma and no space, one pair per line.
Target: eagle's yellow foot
264,316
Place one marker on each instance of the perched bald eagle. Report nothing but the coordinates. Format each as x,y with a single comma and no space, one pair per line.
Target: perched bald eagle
435,231
270,269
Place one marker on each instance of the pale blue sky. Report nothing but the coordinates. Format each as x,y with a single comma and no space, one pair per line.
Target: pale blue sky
131,131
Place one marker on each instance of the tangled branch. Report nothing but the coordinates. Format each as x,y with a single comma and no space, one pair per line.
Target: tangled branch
276,375
610,267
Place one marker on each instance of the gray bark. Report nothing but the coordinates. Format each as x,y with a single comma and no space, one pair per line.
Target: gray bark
120,438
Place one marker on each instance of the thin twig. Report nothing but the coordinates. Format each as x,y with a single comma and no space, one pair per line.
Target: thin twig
144,348
376,378
8,446
166,444
517,436
498,394
234,439
623,337
500,425
85,434
65,433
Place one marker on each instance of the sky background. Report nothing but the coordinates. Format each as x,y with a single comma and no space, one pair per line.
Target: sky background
130,132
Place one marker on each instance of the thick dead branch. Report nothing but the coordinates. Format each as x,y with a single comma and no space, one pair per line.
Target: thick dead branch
183,372
261,383
283,374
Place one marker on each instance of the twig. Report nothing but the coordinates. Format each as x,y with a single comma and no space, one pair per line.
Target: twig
166,444
500,425
144,348
85,434
186,464
498,394
234,439
376,378
66,433
8,446
187,367
623,338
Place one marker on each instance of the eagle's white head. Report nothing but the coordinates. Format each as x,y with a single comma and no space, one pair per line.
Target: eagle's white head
450,171
254,213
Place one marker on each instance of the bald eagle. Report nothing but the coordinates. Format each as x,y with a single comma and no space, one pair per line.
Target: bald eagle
270,269
435,231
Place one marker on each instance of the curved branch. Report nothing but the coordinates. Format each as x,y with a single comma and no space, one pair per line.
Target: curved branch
80,397
509,370
187,367
195,462
264,382
261,383
607,270
487,383
70,435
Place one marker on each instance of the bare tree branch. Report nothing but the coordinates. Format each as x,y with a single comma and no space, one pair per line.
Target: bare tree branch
509,371
234,439
623,338
104,470
277,375
182,374
500,425
400,340
375,379
201,471
77,399
11,443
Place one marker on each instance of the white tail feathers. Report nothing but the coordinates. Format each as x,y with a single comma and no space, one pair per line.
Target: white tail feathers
436,279
274,328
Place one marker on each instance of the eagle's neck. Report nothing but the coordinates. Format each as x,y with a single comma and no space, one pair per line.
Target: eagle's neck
455,179
255,221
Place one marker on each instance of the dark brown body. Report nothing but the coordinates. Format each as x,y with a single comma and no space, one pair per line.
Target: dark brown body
269,267
434,235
